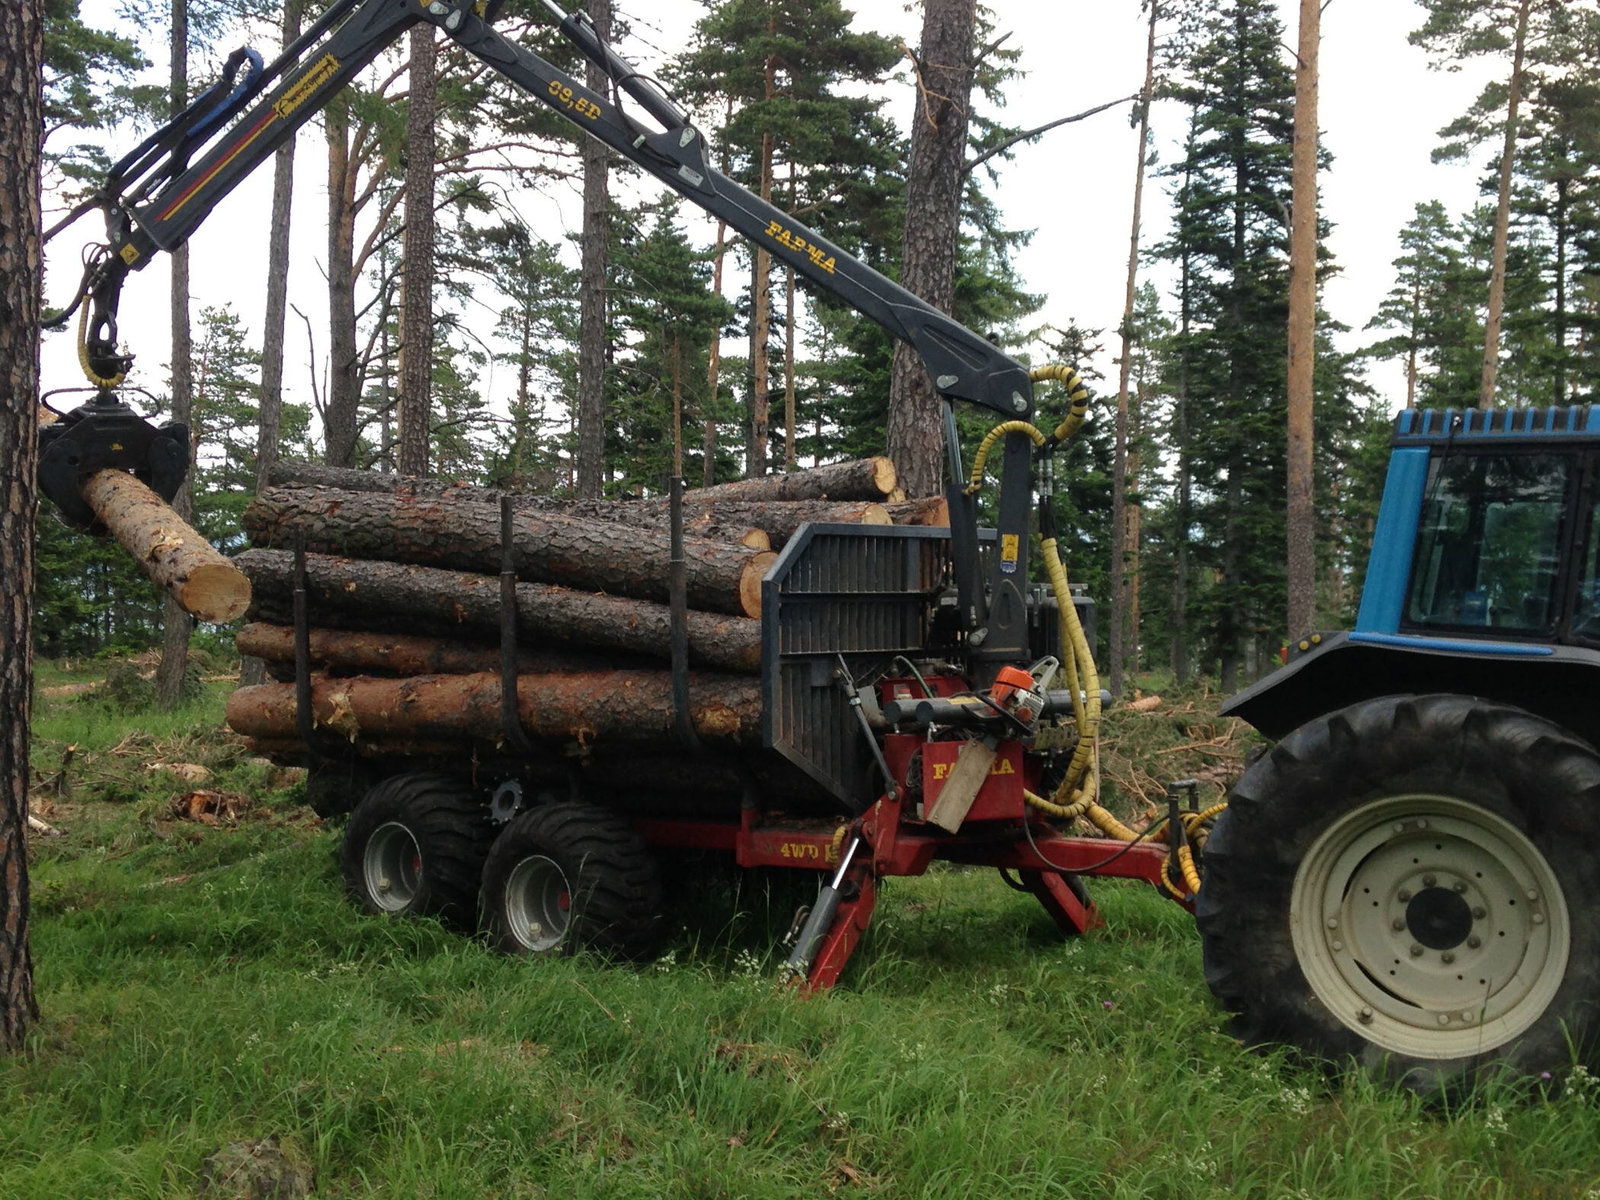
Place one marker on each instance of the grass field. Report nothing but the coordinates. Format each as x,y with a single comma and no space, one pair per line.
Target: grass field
203,984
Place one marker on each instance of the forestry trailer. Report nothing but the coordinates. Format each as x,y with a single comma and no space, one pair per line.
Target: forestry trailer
1402,879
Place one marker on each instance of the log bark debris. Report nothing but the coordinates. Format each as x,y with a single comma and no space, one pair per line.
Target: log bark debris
167,548
588,708
442,531
545,612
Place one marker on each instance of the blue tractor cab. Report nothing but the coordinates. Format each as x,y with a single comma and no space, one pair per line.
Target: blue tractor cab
1408,877
1483,577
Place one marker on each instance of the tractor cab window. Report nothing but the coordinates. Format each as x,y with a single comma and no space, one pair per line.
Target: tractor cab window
1586,615
1488,549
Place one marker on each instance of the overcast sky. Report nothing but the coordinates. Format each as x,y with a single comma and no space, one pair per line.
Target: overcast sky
1381,107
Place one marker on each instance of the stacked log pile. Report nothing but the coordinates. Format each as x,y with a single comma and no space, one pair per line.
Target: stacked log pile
404,598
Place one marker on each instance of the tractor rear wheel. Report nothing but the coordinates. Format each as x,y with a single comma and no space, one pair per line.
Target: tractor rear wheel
1412,883
563,877
415,846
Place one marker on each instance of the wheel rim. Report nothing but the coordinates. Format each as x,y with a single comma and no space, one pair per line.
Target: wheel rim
392,867
538,903
1431,927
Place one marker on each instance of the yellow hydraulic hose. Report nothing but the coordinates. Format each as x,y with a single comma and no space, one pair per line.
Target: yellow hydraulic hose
83,353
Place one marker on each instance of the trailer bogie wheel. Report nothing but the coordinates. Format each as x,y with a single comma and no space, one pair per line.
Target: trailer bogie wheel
415,846
564,877
1412,883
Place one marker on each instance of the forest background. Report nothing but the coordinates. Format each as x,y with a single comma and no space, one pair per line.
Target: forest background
1405,267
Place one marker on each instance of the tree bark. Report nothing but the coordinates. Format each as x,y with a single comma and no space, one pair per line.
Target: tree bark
417,266
863,479
339,418
552,547
269,414
1302,564
175,622
592,288
21,101
355,590
195,577
933,217
1502,218
370,653
607,708
1119,465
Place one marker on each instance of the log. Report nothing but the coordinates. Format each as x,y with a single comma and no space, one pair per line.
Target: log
863,479
593,708
364,652
780,518
545,613
441,531
931,510
167,549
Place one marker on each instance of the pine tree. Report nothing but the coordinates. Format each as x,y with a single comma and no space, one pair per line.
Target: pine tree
786,67
1229,234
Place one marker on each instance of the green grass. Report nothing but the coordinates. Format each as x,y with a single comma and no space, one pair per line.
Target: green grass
205,984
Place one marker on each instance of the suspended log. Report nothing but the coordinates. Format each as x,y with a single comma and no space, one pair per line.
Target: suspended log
167,549
442,531
545,613
593,708
864,479
931,510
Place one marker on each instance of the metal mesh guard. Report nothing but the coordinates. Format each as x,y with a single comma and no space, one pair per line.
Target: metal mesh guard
864,591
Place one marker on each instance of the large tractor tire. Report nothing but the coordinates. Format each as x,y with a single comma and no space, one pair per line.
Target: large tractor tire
1413,883
415,846
564,877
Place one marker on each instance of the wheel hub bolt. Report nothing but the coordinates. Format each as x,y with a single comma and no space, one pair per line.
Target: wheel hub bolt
1459,886
1533,895
1364,1015
1467,1017
1403,895
1538,918
1416,950
1333,922
1398,924
1474,941
1447,957
1479,912
1422,824
1338,945
1429,880
1444,1018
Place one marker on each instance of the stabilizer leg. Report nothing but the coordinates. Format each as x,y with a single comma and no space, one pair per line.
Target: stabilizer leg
1069,907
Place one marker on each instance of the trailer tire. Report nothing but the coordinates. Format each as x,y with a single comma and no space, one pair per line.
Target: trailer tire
1411,883
415,846
570,876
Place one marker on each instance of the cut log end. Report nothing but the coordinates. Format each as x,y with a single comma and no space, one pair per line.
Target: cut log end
884,474
750,581
215,592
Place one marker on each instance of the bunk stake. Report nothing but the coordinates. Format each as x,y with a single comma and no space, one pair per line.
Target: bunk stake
510,719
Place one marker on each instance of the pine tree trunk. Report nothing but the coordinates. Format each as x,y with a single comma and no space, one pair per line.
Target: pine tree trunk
352,593
21,51
270,409
465,535
417,266
619,708
592,288
343,399
1502,218
1119,467
933,216
708,449
1302,554
176,624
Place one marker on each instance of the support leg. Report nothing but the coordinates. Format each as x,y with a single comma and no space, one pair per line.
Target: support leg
860,895
1065,900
